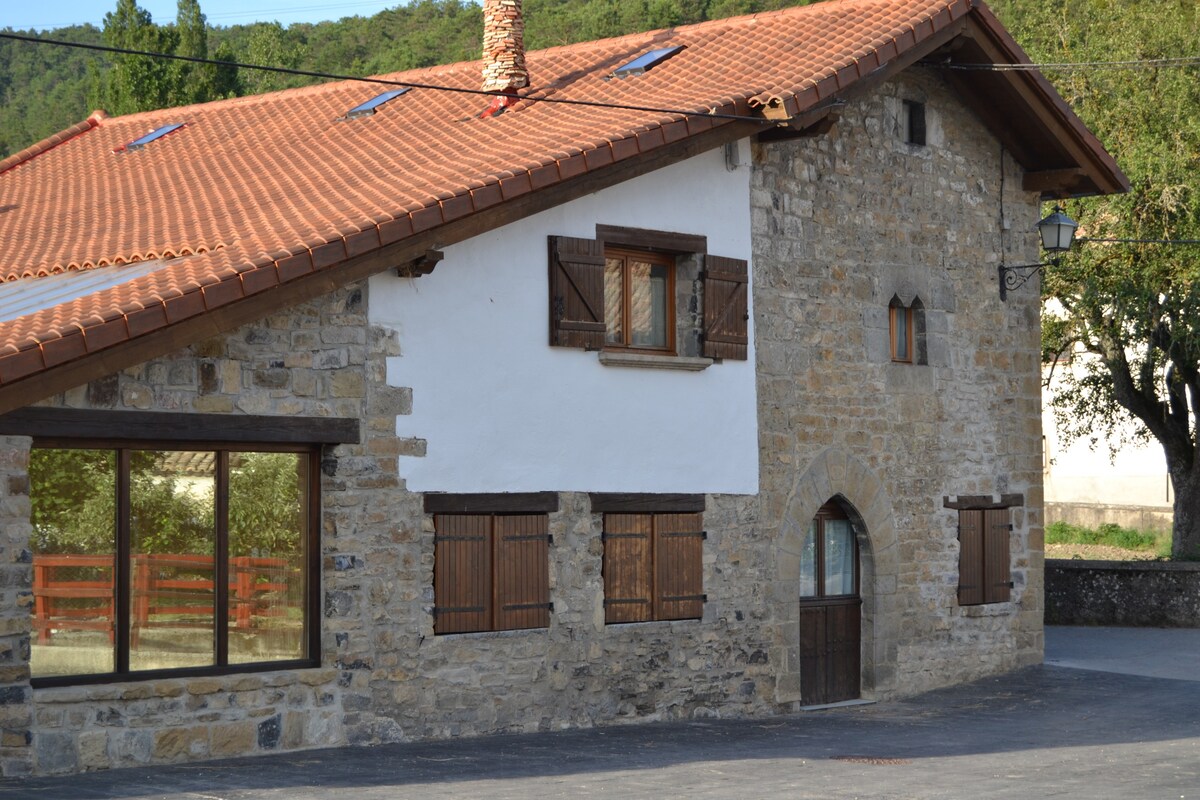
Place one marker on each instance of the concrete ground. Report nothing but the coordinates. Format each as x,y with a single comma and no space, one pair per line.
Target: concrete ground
1113,714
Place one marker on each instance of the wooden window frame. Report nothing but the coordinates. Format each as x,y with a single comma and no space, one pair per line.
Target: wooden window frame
985,557
122,557
628,255
493,571
893,314
577,301
831,511
656,606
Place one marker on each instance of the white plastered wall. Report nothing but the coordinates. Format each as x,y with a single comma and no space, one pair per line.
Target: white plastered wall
503,411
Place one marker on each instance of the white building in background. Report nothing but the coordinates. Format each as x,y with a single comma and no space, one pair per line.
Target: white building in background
1090,483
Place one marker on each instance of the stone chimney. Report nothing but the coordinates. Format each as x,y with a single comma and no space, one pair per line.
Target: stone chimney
503,46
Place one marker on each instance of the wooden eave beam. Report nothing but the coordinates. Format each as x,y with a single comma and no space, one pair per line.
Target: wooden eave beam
1051,183
1051,112
60,378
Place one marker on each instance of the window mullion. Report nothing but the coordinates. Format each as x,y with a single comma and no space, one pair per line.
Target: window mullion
124,561
221,558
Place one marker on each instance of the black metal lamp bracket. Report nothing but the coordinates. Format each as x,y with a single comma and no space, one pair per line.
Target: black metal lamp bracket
1014,277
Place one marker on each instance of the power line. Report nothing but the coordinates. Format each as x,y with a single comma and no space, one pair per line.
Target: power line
1139,63
384,81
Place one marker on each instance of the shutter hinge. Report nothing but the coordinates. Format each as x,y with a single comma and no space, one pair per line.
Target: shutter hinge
528,606
458,609
1009,584
703,598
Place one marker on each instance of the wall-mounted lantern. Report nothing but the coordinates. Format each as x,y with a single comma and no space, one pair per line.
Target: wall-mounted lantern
1057,232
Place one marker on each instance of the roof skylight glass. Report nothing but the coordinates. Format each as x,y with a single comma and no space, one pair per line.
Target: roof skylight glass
645,62
158,133
368,108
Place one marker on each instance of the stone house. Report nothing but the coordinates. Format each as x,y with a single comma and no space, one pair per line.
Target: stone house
675,384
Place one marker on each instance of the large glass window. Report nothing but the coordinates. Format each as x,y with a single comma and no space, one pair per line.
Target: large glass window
132,546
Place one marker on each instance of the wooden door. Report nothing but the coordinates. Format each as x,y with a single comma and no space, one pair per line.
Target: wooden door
830,610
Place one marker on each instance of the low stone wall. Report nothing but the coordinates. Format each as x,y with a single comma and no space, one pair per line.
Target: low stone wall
1093,515
1123,593
185,719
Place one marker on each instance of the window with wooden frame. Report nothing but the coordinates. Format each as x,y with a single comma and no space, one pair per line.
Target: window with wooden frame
900,332
639,300
984,568
160,557
653,561
152,559
491,571
631,289
906,331
829,556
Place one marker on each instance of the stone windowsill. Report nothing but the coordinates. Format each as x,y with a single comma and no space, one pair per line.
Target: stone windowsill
613,358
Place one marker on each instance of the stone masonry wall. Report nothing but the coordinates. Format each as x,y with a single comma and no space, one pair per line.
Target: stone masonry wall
385,676
16,598
843,223
836,418
319,359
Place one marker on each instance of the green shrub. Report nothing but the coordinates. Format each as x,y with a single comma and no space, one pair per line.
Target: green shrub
1109,534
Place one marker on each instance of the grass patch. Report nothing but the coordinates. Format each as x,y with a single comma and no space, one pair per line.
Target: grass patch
1110,535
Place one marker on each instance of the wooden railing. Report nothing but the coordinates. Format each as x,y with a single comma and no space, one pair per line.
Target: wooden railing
166,590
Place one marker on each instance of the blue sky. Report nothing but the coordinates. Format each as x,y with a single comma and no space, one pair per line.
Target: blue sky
58,14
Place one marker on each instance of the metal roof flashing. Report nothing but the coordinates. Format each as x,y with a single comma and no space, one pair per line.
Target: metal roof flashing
30,295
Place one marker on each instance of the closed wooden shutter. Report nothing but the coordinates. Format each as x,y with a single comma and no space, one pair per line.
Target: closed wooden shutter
462,573
576,293
627,559
997,575
970,557
522,567
726,307
678,566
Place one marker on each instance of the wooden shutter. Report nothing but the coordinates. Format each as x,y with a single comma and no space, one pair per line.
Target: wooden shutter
576,293
462,573
970,557
678,566
522,572
726,308
997,575
627,553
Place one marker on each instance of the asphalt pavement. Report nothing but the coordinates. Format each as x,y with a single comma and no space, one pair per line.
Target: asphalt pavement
1112,714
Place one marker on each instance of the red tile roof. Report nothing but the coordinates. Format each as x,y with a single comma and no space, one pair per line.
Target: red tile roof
260,191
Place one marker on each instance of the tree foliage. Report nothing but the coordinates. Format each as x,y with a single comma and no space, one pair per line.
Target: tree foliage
74,499
1133,308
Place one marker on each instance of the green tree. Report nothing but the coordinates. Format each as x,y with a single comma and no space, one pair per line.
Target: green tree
1134,308
136,83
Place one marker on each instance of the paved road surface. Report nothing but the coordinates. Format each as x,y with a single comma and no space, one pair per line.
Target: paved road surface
1084,726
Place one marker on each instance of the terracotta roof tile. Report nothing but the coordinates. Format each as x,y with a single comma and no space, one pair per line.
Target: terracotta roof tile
263,190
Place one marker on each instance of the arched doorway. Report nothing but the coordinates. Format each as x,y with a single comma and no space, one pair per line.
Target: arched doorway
830,609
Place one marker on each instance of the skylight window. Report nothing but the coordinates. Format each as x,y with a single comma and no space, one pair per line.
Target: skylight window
368,108
645,62
157,133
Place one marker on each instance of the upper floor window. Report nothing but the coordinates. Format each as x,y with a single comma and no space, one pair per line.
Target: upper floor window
906,331
914,122
651,292
900,324
639,299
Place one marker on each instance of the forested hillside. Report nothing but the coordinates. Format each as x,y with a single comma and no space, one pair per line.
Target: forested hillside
46,88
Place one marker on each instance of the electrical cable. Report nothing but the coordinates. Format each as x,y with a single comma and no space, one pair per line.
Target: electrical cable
384,81
1143,63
